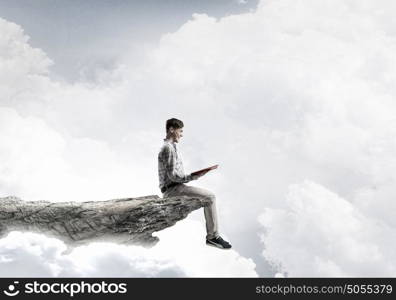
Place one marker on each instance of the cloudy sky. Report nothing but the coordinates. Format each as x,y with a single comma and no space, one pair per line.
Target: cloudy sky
294,100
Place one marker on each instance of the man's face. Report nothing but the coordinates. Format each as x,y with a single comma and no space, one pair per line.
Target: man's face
177,134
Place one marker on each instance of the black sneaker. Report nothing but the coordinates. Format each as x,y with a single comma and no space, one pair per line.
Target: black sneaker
218,242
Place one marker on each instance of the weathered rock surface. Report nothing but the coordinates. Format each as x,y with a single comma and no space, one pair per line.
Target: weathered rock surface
129,220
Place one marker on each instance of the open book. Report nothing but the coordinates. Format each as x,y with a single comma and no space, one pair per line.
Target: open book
205,170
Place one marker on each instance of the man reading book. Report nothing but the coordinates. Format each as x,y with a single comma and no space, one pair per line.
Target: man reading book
172,181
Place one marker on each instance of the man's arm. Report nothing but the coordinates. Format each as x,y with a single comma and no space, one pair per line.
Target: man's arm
169,157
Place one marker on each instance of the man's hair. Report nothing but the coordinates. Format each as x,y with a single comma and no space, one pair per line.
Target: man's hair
175,123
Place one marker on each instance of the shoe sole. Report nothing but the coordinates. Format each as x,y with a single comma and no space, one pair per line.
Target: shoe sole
217,246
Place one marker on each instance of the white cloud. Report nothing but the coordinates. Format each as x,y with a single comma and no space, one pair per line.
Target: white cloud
185,243
56,133
320,234
40,163
34,255
30,152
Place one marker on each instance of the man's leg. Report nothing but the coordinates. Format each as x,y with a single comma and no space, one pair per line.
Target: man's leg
210,210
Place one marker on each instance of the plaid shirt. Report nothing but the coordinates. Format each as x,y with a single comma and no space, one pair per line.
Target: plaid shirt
170,165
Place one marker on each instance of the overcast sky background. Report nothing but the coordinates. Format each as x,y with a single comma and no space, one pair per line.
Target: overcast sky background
294,100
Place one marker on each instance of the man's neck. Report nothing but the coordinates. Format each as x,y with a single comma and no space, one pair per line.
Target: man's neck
170,139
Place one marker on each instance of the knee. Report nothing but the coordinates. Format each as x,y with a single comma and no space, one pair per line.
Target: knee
211,198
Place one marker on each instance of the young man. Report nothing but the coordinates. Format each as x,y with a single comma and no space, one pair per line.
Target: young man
172,181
